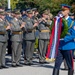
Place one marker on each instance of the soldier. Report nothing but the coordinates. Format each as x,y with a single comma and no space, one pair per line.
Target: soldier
44,35
4,26
16,38
34,10
29,37
36,14
67,43
36,17
65,65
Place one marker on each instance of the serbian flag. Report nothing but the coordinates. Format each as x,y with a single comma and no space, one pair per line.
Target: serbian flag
54,38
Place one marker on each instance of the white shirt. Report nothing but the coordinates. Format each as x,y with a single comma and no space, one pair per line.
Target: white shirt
67,18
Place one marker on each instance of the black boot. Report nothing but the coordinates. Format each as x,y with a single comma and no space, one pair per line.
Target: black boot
55,71
70,72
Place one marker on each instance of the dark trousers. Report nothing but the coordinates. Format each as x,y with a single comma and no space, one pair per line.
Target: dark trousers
65,65
29,50
23,47
67,55
16,52
2,53
9,43
43,44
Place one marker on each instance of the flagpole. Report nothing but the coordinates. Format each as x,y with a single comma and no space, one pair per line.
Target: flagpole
9,7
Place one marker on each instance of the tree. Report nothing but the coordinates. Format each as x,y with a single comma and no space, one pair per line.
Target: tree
13,4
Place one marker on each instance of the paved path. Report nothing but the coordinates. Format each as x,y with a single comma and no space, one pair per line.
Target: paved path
36,69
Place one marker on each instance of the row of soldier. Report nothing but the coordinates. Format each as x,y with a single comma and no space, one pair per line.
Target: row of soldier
22,29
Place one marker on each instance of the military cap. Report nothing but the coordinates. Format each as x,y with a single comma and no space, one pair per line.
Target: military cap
2,13
22,10
29,11
45,12
34,9
65,7
16,11
8,10
71,14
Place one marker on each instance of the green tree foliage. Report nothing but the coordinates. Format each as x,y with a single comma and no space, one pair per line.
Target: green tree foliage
14,3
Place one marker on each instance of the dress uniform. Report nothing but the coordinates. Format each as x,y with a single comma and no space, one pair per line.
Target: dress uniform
29,37
3,39
44,36
16,38
66,45
65,65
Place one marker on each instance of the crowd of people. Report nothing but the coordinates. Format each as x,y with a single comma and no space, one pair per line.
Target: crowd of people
19,30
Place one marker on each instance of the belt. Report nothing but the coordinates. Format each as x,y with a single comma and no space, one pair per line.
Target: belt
2,32
45,30
5,26
16,32
31,30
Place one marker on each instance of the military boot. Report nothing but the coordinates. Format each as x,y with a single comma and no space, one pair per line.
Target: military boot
55,71
70,72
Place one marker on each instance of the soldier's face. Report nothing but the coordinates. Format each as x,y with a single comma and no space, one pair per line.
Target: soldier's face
2,16
65,12
17,15
30,15
45,16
